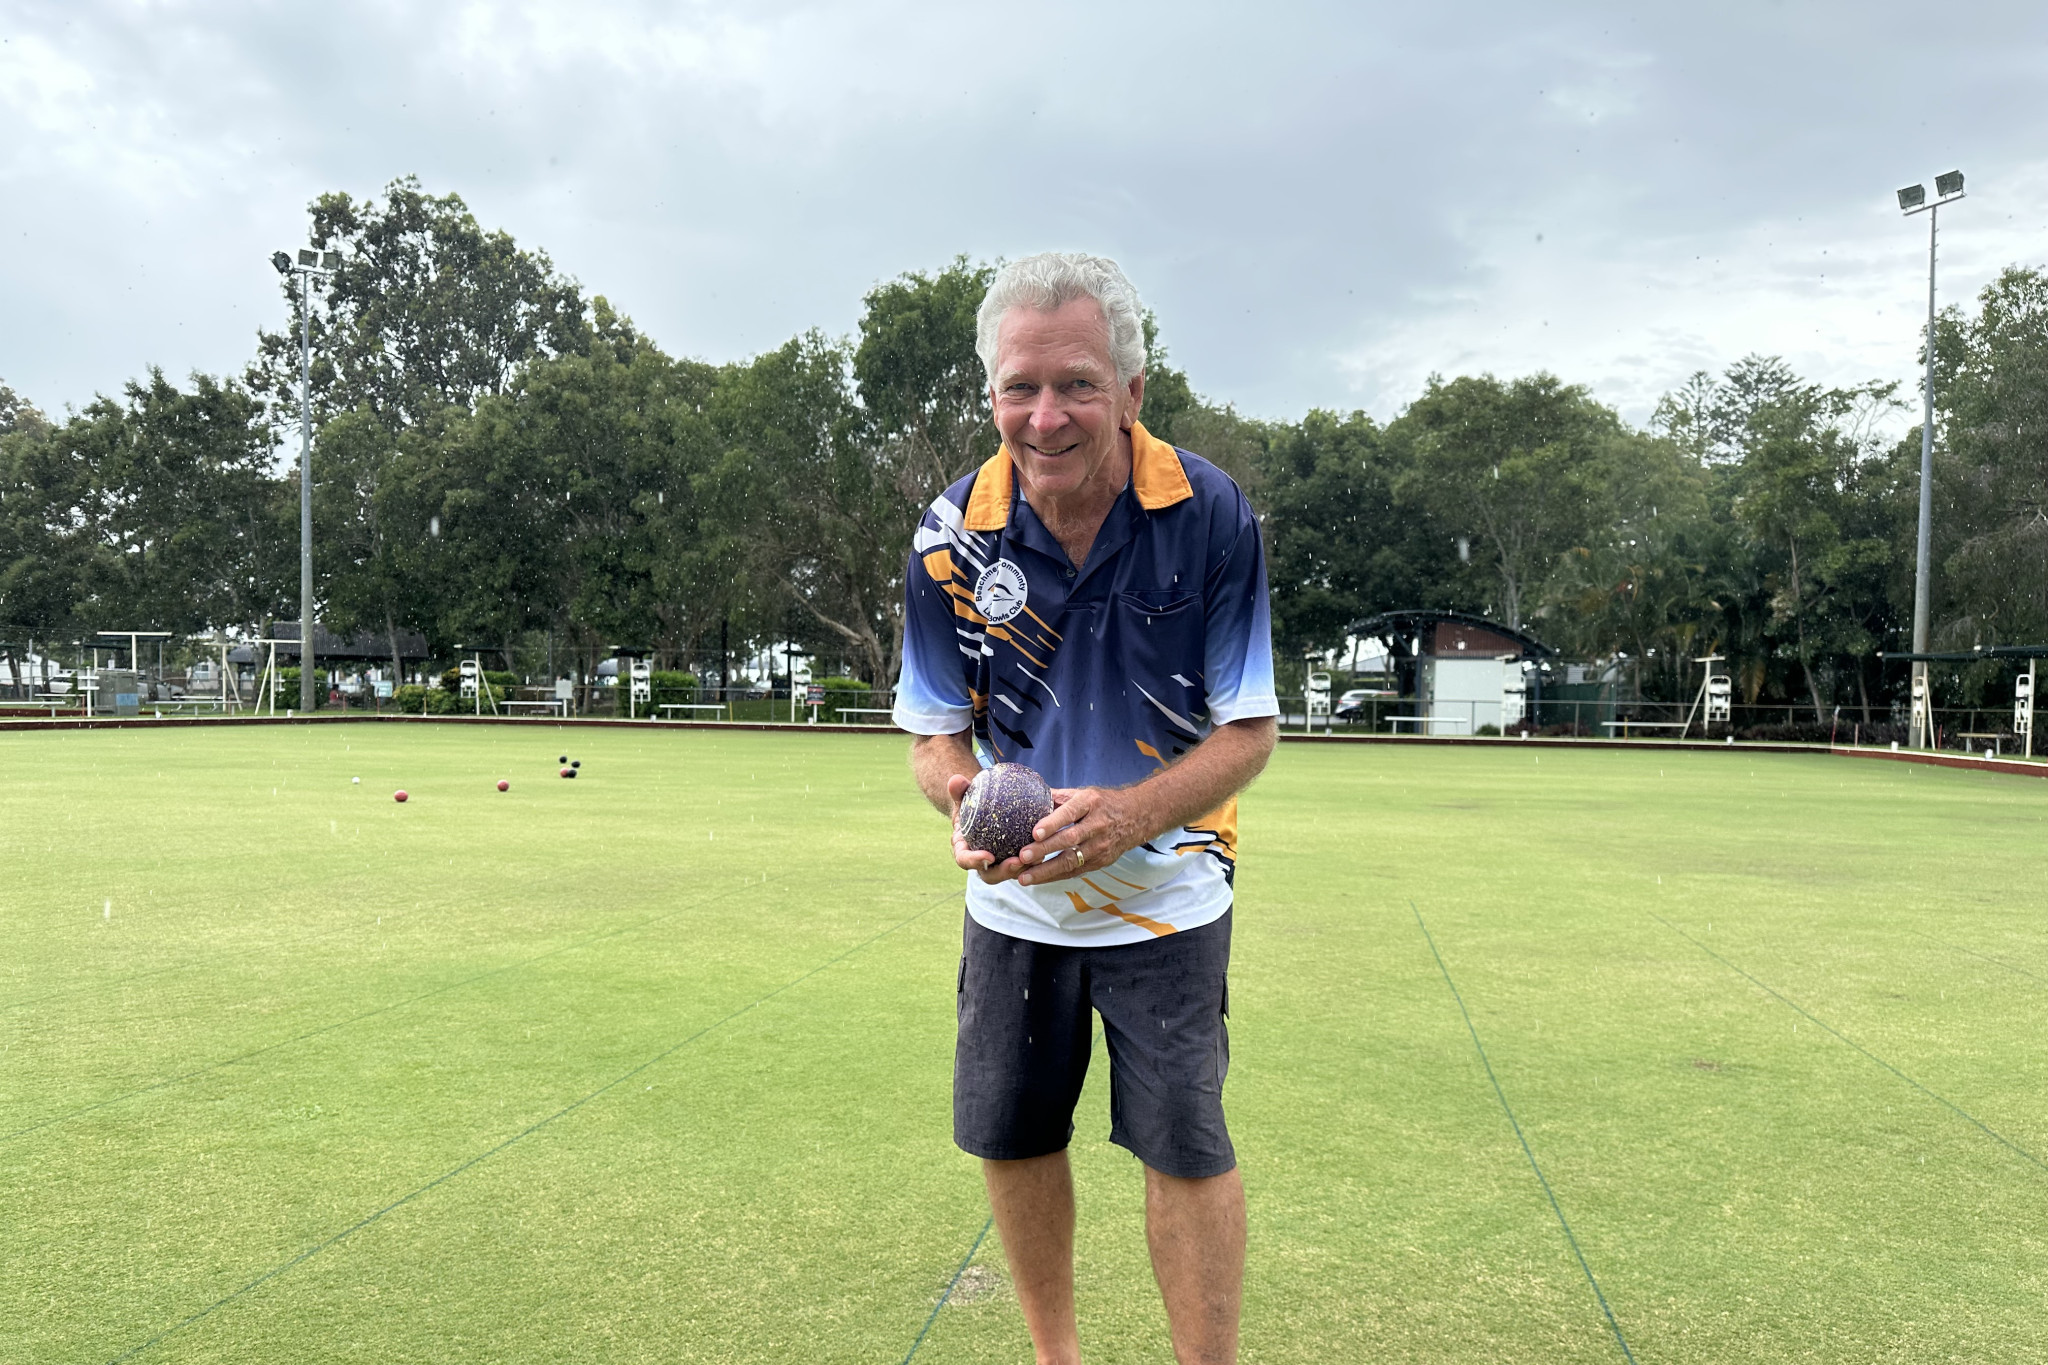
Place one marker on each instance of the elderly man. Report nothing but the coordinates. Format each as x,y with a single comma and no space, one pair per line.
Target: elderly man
1092,602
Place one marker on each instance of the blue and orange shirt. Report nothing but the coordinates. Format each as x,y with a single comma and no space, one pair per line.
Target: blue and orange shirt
1096,676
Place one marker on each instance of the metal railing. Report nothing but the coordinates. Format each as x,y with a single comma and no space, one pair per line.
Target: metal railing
1963,729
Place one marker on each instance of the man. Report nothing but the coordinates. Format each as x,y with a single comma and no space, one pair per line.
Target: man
1092,602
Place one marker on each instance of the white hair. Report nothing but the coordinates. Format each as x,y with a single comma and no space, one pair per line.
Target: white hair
1052,278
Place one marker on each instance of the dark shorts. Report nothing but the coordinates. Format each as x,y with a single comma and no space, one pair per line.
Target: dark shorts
1025,1036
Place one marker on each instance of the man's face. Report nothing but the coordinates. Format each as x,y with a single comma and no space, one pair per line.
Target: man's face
1057,403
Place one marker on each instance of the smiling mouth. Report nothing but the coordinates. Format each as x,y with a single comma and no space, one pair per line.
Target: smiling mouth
1063,450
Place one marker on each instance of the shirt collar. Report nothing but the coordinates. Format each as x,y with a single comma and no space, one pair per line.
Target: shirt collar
1156,477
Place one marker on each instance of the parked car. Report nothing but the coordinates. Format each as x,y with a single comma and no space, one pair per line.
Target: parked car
1351,706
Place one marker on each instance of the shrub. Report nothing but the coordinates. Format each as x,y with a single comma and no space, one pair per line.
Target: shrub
1488,730
447,699
410,699
673,687
844,692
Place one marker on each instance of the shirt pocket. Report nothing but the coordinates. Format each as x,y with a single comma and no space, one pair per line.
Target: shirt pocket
1163,634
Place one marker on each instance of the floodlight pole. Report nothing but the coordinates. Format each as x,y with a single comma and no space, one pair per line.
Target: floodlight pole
1922,735
310,263
308,681
1924,551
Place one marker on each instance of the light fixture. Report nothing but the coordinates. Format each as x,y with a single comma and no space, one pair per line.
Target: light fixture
308,257
331,260
1951,183
282,262
1912,197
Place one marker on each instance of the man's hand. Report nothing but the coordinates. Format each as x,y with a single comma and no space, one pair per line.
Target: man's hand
1101,823
974,859
1090,827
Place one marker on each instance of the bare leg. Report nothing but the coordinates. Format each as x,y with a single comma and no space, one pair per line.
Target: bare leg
1196,1231
1033,1202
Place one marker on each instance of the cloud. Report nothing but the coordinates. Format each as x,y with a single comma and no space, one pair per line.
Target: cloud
1324,205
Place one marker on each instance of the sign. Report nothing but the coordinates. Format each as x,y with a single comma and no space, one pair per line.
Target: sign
814,695
643,680
383,688
469,677
2023,704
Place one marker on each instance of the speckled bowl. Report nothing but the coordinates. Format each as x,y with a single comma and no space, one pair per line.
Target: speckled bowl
1001,806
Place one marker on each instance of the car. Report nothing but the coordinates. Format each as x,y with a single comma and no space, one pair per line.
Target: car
1352,705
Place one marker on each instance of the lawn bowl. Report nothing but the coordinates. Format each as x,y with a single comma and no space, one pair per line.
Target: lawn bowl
503,785
1000,808
399,796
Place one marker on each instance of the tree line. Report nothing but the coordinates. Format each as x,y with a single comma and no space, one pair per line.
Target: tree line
503,462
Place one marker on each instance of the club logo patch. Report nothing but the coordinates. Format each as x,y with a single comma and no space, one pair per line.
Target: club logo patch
1000,592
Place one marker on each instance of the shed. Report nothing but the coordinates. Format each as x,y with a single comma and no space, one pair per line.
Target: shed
1463,671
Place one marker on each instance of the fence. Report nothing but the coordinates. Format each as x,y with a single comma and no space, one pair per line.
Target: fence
1967,729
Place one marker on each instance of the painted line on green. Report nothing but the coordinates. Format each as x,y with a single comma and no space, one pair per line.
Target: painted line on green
1522,1138
1957,947
182,1077
352,1229
1935,1095
965,1261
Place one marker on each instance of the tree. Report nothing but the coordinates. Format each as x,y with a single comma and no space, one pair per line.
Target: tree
1800,471
920,378
179,523
428,310
45,498
1991,475
1509,467
1644,582
826,518
1339,547
570,503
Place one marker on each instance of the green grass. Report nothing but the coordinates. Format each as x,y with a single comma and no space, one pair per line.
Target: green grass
246,1005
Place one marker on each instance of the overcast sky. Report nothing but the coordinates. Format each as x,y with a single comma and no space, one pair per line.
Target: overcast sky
1323,203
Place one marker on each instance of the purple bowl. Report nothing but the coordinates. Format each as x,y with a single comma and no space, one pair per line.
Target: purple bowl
1001,806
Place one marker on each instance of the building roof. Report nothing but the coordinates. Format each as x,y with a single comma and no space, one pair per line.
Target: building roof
1429,633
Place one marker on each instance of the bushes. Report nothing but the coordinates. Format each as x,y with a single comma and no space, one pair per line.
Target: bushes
844,692
672,687
415,700
288,682
447,700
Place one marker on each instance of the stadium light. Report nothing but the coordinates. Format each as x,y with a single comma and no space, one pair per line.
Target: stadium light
1948,188
310,263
